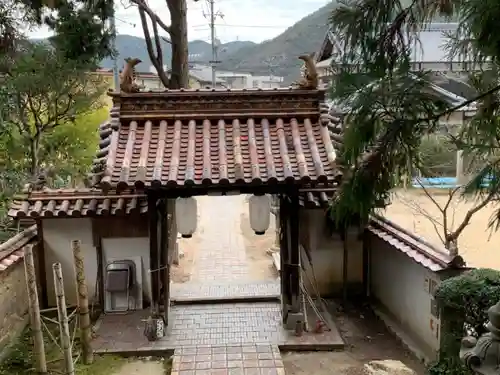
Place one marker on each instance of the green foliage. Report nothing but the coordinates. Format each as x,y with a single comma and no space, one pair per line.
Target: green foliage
438,156
470,295
42,92
81,29
390,108
70,148
50,111
21,360
81,32
464,301
382,145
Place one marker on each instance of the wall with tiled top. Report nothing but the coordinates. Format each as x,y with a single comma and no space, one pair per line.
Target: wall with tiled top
13,303
327,253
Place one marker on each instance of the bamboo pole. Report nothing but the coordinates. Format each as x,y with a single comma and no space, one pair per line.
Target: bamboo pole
62,314
83,304
34,309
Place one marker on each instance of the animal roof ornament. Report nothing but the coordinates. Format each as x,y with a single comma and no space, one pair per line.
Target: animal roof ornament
127,78
310,79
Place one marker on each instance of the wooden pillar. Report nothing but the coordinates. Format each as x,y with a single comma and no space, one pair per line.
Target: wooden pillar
153,253
366,263
41,272
164,258
100,271
345,263
284,257
294,250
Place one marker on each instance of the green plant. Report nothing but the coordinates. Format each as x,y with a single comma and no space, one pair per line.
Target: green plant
464,301
438,156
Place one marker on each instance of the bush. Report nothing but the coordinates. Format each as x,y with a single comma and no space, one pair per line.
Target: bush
464,301
438,156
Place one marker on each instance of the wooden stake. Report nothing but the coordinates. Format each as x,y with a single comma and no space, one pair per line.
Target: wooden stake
34,309
63,319
83,304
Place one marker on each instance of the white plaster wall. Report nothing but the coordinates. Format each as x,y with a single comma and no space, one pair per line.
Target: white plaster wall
58,234
401,286
127,248
327,255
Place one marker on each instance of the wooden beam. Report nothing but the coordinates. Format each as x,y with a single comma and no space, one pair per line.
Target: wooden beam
153,252
41,272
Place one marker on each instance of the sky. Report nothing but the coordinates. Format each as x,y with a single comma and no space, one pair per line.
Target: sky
254,20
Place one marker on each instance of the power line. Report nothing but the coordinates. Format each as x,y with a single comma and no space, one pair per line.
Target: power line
246,26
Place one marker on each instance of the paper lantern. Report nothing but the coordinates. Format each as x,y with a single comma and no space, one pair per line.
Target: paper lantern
259,207
186,214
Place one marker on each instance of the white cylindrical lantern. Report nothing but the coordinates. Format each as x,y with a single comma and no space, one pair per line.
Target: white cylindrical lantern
186,215
259,207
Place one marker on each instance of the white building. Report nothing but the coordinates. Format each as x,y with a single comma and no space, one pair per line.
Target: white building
429,53
237,80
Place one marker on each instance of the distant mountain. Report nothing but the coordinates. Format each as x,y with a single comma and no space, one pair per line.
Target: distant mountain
199,51
279,55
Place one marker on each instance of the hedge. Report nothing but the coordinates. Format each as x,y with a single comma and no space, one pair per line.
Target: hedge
463,301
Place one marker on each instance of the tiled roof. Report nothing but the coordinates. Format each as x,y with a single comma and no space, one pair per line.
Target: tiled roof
429,256
216,137
315,199
77,203
12,250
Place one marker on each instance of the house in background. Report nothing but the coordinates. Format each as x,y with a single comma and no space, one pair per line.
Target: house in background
238,80
429,53
148,80
200,76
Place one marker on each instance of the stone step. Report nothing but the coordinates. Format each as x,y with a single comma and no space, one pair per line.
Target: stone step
208,292
228,360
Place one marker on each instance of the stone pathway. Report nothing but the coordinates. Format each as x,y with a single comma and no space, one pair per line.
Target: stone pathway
240,290
206,325
229,360
221,256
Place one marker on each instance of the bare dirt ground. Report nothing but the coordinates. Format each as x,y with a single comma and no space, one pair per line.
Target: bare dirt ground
142,367
411,209
256,246
366,339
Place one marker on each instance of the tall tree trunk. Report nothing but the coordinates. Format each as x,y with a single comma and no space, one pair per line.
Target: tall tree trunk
178,36
34,162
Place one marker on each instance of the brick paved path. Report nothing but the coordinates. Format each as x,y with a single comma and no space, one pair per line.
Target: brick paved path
229,360
221,271
221,253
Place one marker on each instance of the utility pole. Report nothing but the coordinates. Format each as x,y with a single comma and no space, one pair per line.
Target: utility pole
116,78
213,15
271,63
212,37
